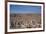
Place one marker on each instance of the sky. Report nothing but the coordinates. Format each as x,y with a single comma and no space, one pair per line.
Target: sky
24,9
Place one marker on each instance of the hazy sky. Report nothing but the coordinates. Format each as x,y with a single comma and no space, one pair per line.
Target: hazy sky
25,9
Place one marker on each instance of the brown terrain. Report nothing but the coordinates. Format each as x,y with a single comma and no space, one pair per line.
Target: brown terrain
18,21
